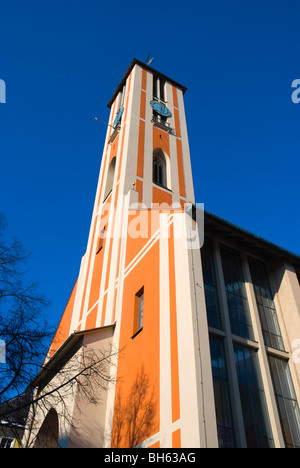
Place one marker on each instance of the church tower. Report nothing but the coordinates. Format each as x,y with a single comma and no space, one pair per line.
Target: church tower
200,341
141,277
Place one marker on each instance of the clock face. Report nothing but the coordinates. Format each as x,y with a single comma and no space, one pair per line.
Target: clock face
118,117
160,109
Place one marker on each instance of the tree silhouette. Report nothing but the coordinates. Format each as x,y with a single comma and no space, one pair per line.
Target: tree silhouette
134,418
24,332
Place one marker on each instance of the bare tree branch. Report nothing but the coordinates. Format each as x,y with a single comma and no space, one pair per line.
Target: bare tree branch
23,327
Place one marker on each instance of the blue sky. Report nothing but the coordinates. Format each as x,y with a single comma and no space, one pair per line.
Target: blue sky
61,62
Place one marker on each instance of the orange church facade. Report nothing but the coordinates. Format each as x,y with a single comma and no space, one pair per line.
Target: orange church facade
141,288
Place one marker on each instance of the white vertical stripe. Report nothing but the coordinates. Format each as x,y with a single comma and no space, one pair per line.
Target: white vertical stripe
78,295
190,436
116,336
188,178
165,344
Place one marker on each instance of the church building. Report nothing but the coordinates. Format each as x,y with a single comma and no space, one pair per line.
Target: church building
191,324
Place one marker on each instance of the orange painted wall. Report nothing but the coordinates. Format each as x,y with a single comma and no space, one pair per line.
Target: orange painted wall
146,222
176,439
161,140
63,328
91,318
141,143
96,278
161,196
142,351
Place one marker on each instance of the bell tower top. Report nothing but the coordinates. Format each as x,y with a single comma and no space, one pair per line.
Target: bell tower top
147,141
145,67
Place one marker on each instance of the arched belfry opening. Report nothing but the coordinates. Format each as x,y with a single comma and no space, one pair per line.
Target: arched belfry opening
161,170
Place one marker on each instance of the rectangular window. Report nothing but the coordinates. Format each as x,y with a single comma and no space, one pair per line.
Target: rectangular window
287,404
159,88
159,95
221,393
6,442
210,285
237,301
162,84
255,413
265,304
139,311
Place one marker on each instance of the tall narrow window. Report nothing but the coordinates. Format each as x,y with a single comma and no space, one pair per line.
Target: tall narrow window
158,171
237,301
139,311
162,84
287,403
110,178
159,88
210,285
221,393
255,413
265,304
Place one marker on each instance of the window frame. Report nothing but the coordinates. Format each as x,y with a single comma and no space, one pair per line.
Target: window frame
7,440
257,343
138,319
110,178
161,159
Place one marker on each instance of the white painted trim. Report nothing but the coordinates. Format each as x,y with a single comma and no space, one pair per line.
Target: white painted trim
190,435
187,168
165,339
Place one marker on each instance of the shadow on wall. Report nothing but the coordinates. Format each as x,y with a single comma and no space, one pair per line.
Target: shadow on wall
134,417
48,434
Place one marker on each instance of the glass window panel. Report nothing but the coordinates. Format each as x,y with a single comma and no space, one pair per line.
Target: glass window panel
210,285
162,89
221,393
287,403
141,310
237,301
265,304
6,442
159,168
255,414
